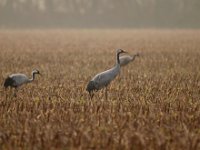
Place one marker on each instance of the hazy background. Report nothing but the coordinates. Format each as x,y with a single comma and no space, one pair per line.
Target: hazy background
100,13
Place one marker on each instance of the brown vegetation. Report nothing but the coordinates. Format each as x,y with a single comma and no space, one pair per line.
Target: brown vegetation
155,105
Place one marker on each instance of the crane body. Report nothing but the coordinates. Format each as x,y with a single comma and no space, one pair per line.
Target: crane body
126,59
103,79
18,79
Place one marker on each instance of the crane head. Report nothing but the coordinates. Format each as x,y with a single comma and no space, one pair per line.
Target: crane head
35,71
137,54
119,51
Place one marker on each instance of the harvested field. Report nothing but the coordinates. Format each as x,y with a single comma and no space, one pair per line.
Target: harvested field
154,104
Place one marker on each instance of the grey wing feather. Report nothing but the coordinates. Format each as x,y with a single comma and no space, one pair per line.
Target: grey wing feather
19,79
102,80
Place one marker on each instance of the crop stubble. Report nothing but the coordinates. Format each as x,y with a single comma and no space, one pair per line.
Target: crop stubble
155,104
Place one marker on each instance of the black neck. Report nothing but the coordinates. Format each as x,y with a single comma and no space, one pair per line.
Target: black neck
118,58
33,77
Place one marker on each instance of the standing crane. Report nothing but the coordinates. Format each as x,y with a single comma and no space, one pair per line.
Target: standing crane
126,59
103,79
18,79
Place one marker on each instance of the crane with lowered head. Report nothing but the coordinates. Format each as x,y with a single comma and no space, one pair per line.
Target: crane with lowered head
126,59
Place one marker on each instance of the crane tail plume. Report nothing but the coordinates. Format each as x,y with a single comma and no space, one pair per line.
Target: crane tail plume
90,88
9,81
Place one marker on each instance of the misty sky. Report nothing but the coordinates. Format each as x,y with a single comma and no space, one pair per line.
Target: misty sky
100,13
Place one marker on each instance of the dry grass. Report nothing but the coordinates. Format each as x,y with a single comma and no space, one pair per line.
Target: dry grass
156,105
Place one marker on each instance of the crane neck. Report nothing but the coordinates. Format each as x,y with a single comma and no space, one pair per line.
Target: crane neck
117,59
33,77
135,56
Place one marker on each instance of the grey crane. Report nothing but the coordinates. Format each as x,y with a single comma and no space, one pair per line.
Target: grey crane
126,59
103,79
18,79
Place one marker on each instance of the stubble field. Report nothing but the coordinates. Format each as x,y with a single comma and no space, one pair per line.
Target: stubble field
155,104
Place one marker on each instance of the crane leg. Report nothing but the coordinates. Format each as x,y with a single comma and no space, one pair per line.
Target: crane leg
91,95
6,94
15,92
120,76
106,93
